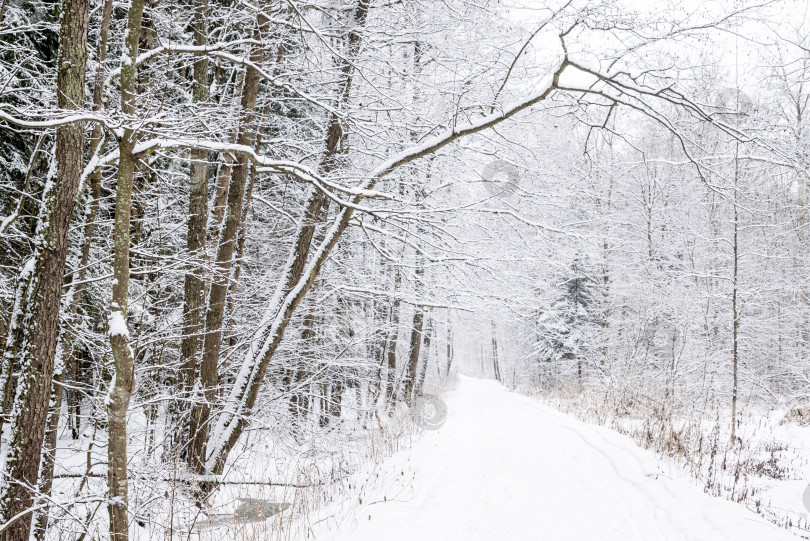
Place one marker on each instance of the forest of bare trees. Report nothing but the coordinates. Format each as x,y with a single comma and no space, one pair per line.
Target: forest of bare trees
220,218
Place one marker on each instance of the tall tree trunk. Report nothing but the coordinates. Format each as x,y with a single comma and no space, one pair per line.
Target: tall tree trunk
449,346
39,326
380,315
391,347
123,384
69,369
208,376
336,397
194,287
416,342
495,365
420,385
317,204
309,334
413,354
735,322
223,182
299,397
240,250
323,398
96,143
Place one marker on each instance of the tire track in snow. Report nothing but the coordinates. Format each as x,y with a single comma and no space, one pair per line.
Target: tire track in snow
506,467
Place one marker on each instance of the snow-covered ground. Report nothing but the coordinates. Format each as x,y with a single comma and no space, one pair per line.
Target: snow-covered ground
504,466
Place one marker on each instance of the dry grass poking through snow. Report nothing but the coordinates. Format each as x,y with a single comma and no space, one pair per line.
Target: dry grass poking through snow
324,476
331,485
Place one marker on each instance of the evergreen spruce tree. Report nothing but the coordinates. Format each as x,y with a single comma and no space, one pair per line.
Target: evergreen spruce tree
564,327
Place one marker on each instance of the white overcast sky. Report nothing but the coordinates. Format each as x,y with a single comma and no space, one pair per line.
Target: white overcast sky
738,54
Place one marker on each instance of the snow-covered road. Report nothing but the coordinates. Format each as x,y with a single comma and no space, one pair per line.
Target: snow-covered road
504,467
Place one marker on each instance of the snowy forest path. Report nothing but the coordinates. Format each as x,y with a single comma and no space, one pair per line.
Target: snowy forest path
504,466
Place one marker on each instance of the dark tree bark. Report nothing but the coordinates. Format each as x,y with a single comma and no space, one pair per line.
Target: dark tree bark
323,414
208,376
417,323
413,354
449,346
240,251
380,314
304,238
336,398
223,182
391,347
194,287
495,365
317,204
70,368
299,398
423,372
39,328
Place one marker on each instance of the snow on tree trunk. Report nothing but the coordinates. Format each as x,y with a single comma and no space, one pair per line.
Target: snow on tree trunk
123,384
34,343
208,376
194,287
